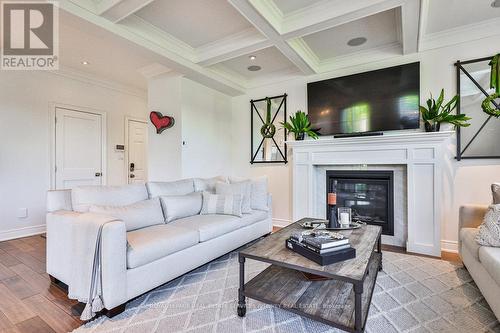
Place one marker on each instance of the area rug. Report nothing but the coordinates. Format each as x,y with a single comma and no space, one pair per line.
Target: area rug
413,294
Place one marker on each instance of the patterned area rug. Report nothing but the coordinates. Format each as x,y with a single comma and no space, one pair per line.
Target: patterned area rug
413,294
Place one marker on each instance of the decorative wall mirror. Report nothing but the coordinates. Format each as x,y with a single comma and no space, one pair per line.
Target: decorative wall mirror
480,139
268,137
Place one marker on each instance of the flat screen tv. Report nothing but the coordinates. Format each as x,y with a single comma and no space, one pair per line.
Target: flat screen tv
381,100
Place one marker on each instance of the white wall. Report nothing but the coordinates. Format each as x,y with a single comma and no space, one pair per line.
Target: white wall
206,131
202,121
24,139
165,149
465,181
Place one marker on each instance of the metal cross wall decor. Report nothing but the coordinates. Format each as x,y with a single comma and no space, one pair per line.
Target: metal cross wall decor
265,128
460,69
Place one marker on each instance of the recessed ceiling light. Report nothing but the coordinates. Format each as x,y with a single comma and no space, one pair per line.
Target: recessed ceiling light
357,41
495,4
252,57
254,68
85,62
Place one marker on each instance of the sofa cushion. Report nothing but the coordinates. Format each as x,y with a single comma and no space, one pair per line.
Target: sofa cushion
83,197
468,238
137,215
259,191
208,184
178,187
212,226
495,191
489,230
178,206
58,200
242,188
152,243
490,258
221,204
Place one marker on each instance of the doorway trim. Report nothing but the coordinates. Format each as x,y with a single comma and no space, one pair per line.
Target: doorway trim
127,120
52,138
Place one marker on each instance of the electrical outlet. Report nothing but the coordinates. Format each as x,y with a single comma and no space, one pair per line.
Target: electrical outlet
22,213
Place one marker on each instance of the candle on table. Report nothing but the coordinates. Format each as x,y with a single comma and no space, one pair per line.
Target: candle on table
344,218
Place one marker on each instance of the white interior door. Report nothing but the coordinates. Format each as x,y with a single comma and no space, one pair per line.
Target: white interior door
137,146
79,149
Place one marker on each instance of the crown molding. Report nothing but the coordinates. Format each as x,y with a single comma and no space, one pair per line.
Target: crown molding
271,13
154,69
241,43
462,34
361,57
149,31
305,52
94,80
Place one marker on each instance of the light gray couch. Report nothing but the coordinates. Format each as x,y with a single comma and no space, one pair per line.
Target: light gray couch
137,261
482,262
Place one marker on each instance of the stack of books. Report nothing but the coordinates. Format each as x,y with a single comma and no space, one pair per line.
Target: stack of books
322,247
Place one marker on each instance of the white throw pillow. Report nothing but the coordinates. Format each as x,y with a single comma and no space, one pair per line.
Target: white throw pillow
136,216
208,184
179,206
243,188
489,230
259,194
222,204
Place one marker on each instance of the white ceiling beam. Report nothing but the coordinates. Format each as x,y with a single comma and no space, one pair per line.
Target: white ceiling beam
410,23
327,15
254,17
118,10
245,42
161,47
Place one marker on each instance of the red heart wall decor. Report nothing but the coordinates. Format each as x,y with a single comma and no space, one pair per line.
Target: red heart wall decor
160,121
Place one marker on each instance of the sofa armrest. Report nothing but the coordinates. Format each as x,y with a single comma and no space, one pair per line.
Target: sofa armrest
113,254
471,216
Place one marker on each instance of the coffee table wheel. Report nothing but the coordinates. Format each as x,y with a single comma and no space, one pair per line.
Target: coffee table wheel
242,310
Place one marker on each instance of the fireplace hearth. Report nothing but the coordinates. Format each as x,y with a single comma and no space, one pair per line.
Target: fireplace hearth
370,195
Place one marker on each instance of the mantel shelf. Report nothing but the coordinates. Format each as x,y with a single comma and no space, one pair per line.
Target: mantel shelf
415,137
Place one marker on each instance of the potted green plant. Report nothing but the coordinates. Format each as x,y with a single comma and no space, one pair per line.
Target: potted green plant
438,112
300,125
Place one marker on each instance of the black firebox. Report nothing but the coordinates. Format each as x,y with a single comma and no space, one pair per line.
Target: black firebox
370,195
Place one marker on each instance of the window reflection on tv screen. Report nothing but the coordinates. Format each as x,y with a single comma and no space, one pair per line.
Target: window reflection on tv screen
381,100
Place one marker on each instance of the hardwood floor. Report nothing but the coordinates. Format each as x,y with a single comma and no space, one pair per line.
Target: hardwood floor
29,302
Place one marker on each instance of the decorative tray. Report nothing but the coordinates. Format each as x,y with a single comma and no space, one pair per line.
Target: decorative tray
323,225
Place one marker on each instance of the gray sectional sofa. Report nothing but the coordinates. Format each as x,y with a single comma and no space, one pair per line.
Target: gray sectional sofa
139,252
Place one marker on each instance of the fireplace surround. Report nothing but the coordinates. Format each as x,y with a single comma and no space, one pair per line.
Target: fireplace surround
422,155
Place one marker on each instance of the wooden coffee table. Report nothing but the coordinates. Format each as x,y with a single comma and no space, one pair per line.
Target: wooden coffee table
342,300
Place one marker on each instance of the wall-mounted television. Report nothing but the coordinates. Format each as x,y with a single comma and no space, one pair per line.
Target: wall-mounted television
381,100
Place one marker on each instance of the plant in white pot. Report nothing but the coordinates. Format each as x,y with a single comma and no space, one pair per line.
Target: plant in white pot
438,112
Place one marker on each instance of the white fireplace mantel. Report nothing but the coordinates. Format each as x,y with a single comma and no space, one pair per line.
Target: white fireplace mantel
423,154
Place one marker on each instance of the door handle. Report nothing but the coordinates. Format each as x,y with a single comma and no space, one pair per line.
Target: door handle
132,175
132,167
98,174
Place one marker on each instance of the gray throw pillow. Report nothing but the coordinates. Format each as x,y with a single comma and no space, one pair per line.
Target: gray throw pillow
489,230
259,195
208,184
221,204
243,188
179,206
136,216
495,191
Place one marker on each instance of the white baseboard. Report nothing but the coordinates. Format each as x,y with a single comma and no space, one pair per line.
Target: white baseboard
449,246
281,223
22,232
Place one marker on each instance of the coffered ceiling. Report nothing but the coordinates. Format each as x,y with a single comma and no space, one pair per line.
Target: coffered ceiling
211,41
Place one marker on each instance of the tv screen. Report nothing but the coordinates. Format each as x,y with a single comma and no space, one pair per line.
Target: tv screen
381,100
